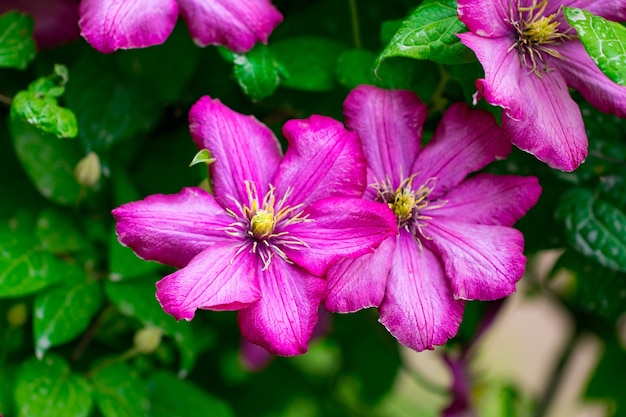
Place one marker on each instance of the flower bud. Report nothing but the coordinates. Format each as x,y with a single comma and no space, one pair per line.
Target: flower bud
148,339
17,315
87,171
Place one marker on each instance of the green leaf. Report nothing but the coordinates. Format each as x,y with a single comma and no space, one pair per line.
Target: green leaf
38,105
257,71
17,45
119,392
124,264
356,66
58,233
607,381
49,388
64,312
6,391
430,33
309,62
604,41
171,397
594,227
202,156
25,267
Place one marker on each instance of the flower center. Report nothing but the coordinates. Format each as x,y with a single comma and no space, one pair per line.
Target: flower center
262,224
536,35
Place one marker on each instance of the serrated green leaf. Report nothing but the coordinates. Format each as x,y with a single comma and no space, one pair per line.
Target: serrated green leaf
57,232
309,62
430,33
604,41
594,227
172,397
63,312
17,45
49,388
119,392
49,162
257,72
25,267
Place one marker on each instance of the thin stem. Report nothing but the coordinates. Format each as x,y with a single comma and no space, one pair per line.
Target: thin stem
6,100
557,375
424,382
132,352
89,334
356,33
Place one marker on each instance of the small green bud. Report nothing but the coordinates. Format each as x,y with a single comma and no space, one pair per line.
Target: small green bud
148,339
17,315
87,171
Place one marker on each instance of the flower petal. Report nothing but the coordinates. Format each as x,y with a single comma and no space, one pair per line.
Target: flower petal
389,123
355,284
465,141
551,126
581,73
483,262
172,229
322,160
491,199
220,278
109,25
341,228
419,309
609,9
244,149
236,24
282,321
489,18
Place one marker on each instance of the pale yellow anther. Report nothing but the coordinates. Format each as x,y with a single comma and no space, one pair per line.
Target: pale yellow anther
542,31
262,224
403,204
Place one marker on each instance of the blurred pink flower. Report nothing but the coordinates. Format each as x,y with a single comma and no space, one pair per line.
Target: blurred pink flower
530,55
264,241
455,238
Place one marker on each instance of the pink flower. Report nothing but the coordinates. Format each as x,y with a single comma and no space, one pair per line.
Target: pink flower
455,238
275,224
531,55
109,25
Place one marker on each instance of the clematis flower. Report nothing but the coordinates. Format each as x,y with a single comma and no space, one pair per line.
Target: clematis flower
109,25
530,55
455,238
263,242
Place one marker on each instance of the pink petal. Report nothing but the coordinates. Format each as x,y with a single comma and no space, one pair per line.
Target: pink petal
282,321
551,126
489,18
341,228
609,9
419,309
580,72
236,24
355,284
109,25
491,199
465,141
322,160
172,229
244,149
483,262
220,278
389,123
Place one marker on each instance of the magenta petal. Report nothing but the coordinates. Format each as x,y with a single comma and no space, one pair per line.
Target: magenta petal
465,141
355,284
581,73
109,25
244,150
221,278
483,262
491,199
282,321
488,18
236,24
322,160
341,228
389,123
551,126
419,309
609,9
172,229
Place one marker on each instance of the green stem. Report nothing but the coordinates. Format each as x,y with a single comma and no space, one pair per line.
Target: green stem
356,33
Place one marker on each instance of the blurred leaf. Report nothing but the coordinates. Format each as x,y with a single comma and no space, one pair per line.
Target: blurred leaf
124,264
496,399
594,227
6,391
256,71
171,397
309,62
604,41
119,392
49,388
64,312
17,45
430,33
607,381
38,105
356,66
25,267
58,233
49,162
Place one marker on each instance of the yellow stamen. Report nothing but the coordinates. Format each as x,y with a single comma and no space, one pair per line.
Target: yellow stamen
542,31
262,224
